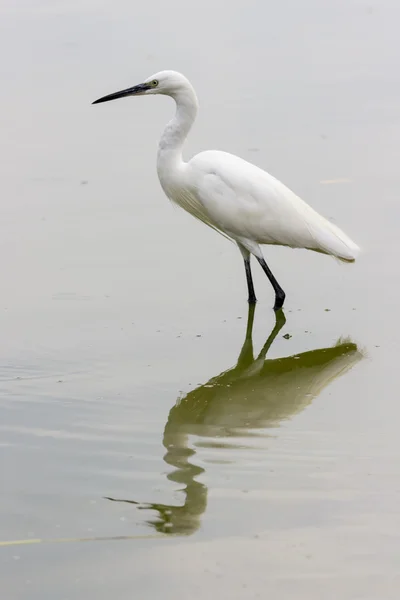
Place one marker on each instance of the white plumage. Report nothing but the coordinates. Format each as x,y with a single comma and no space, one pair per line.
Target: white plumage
253,207
231,195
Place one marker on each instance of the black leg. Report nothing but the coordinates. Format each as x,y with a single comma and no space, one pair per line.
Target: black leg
279,293
250,286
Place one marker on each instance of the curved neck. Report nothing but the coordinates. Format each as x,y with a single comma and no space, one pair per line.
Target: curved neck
176,131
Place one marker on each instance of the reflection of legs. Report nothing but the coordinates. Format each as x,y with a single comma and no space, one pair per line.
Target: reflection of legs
250,286
279,293
250,321
246,355
280,320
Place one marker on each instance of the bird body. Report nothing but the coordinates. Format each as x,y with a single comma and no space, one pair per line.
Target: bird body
253,208
236,198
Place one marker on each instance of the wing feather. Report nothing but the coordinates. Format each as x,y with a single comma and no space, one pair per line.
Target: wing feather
242,201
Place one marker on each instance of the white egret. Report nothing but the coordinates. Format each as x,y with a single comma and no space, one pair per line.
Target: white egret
234,197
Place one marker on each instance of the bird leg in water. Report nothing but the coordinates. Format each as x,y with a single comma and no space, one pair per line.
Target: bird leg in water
279,293
250,286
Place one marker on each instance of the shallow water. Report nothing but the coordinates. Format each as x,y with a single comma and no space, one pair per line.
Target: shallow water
141,409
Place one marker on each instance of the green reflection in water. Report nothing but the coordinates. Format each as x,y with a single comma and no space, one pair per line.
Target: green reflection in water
255,395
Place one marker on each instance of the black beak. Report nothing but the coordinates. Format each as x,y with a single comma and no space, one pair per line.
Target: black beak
136,90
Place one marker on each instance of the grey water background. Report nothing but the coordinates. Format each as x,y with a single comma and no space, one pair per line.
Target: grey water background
126,372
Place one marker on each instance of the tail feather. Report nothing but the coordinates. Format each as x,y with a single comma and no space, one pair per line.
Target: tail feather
329,239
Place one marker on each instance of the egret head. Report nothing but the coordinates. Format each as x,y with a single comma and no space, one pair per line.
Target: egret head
169,83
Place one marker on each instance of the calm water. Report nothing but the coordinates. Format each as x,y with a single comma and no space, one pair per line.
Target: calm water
138,399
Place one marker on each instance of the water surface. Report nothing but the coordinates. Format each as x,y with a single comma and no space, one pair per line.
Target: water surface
241,455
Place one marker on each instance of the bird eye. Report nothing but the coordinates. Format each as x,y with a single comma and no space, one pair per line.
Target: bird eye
154,83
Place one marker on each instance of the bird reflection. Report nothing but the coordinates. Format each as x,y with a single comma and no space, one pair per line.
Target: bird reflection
257,393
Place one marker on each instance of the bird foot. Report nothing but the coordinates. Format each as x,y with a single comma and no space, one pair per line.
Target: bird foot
279,300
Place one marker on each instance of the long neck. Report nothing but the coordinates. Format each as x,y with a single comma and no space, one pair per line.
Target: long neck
171,143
